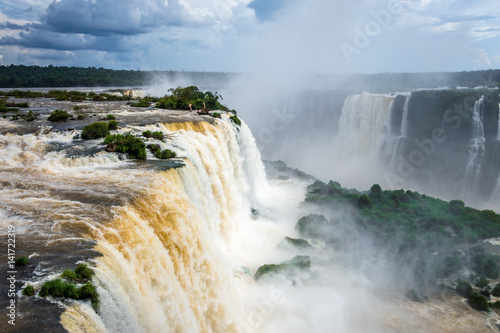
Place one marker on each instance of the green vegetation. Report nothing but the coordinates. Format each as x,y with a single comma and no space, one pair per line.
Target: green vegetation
154,147
298,262
406,220
21,261
95,130
428,233
62,288
63,95
30,116
81,274
295,242
486,264
165,154
80,116
112,125
464,289
314,226
110,117
156,135
478,302
29,290
126,143
236,120
144,102
58,115
215,115
414,296
496,291
180,98
35,76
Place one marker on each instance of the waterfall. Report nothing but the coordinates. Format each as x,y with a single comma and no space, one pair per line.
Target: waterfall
404,121
498,127
364,123
476,147
164,263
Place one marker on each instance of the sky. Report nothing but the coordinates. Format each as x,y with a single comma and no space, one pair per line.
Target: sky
325,36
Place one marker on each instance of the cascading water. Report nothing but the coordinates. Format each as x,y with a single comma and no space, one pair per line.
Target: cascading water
404,121
476,148
164,265
363,127
363,123
498,127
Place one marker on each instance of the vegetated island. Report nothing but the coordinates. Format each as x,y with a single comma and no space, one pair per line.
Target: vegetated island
434,244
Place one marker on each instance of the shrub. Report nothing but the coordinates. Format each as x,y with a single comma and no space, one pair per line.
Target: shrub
21,261
478,302
58,115
53,288
59,288
236,120
69,274
365,201
165,154
414,296
87,291
496,291
83,271
298,262
30,116
112,125
153,147
29,290
126,144
376,189
464,289
141,104
110,117
495,305
95,130
482,282
216,115
156,135
80,116
485,264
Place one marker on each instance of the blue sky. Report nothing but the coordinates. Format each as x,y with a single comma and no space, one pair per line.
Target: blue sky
332,36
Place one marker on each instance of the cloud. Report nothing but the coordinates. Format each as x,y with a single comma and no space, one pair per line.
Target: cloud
243,35
265,9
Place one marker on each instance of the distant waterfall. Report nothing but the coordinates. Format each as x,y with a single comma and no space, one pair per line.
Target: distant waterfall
364,123
404,122
498,128
476,147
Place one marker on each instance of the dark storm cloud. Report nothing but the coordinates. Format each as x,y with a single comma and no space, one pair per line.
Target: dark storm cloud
13,26
49,40
111,17
103,25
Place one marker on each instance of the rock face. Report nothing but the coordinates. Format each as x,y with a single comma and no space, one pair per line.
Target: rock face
286,268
